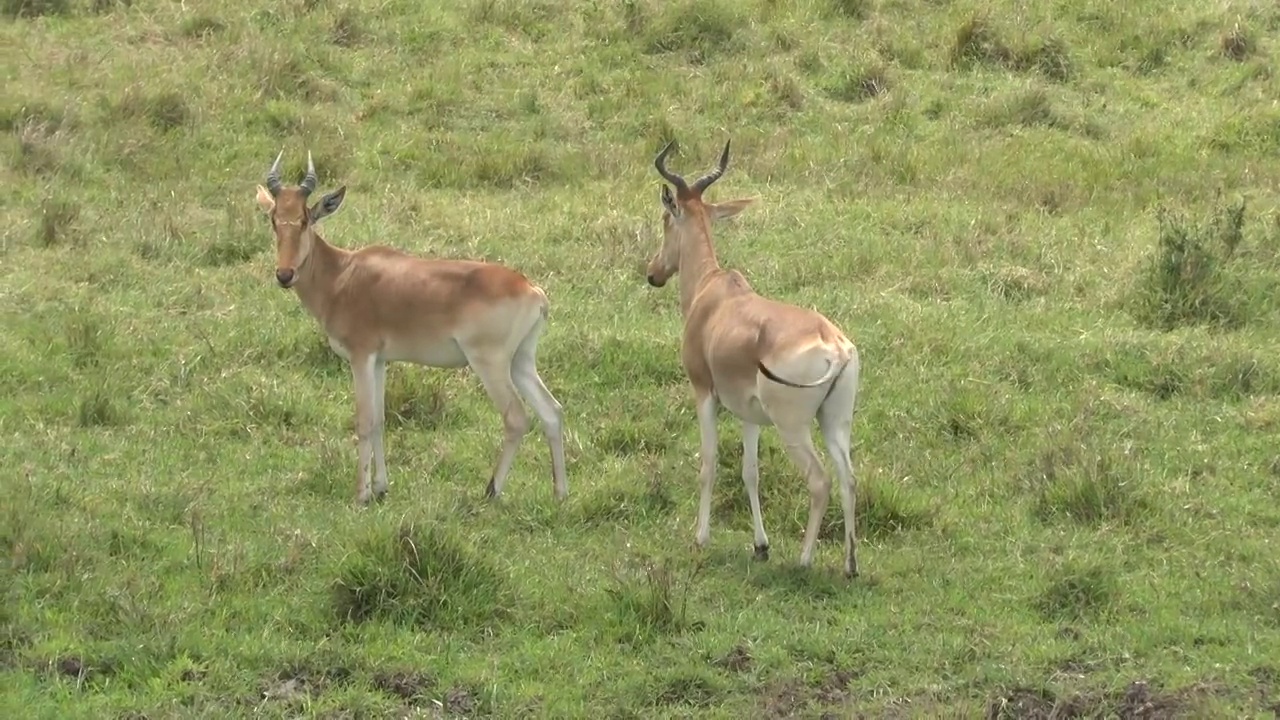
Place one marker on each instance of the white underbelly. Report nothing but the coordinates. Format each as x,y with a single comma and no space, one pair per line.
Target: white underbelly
338,348
442,353
439,354
746,407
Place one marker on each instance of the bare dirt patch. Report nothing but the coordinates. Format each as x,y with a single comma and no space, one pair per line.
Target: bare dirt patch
77,669
1138,701
409,686
460,701
293,684
738,659
797,698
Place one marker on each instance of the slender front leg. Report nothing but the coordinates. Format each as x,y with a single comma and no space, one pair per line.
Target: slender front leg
380,424
707,405
364,375
751,479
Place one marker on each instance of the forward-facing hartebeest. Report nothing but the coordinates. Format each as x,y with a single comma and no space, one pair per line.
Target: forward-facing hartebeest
379,305
768,362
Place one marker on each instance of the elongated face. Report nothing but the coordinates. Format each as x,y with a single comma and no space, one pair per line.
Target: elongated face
291,220
667,262
685,217
289,223
679,227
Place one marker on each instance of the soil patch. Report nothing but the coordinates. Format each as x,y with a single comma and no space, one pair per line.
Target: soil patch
410,686
1138,701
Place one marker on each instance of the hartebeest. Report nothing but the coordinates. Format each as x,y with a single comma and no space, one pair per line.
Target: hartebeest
769,363
379,305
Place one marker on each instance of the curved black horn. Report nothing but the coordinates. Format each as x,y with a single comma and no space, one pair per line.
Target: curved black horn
661,163
309,182
705,181
273,176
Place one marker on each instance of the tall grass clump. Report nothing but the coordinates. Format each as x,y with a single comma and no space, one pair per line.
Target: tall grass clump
1087,485
701,30
1078,590
650,599
34,8
981,42
1188,278
420,576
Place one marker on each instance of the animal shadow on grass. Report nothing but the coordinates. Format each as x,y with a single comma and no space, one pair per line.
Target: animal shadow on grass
779,574
820,582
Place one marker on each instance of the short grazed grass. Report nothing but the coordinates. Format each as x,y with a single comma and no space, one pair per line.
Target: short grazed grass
1052,231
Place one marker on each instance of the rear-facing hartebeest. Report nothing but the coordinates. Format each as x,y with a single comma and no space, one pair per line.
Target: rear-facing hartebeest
379,305
768,362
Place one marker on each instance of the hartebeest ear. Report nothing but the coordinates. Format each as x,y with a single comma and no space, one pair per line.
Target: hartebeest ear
265,201
328,205
728,208
669,201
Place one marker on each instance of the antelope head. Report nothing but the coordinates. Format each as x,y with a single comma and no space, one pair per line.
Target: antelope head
292,222
685,216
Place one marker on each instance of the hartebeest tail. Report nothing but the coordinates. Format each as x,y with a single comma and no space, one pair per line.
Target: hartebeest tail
757,357
378,305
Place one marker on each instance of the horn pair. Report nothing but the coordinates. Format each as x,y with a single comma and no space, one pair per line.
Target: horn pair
307,185
701,183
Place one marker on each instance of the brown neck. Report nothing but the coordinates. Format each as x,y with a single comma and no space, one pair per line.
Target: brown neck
697,259
318,275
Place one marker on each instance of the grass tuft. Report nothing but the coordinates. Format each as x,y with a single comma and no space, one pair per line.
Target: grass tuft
701,30
1238,44
650,600
625,505
35,8
57,224
858,84
166,110
980,42
1079,591
86,339
883,509
38,146
102,7
98,409
853,9
201,27
1088,486
348,29
415,398
424,577
1189,279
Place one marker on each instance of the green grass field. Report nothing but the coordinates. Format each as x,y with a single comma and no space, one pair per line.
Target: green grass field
1051,228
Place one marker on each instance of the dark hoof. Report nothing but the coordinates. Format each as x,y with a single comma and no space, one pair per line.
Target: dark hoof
762,553
490,492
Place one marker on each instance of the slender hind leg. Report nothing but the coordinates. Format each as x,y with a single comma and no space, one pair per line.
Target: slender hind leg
751,479
835,417
496,376
799,446
524,373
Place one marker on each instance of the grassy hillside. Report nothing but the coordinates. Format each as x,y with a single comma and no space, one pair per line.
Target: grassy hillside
1051,228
